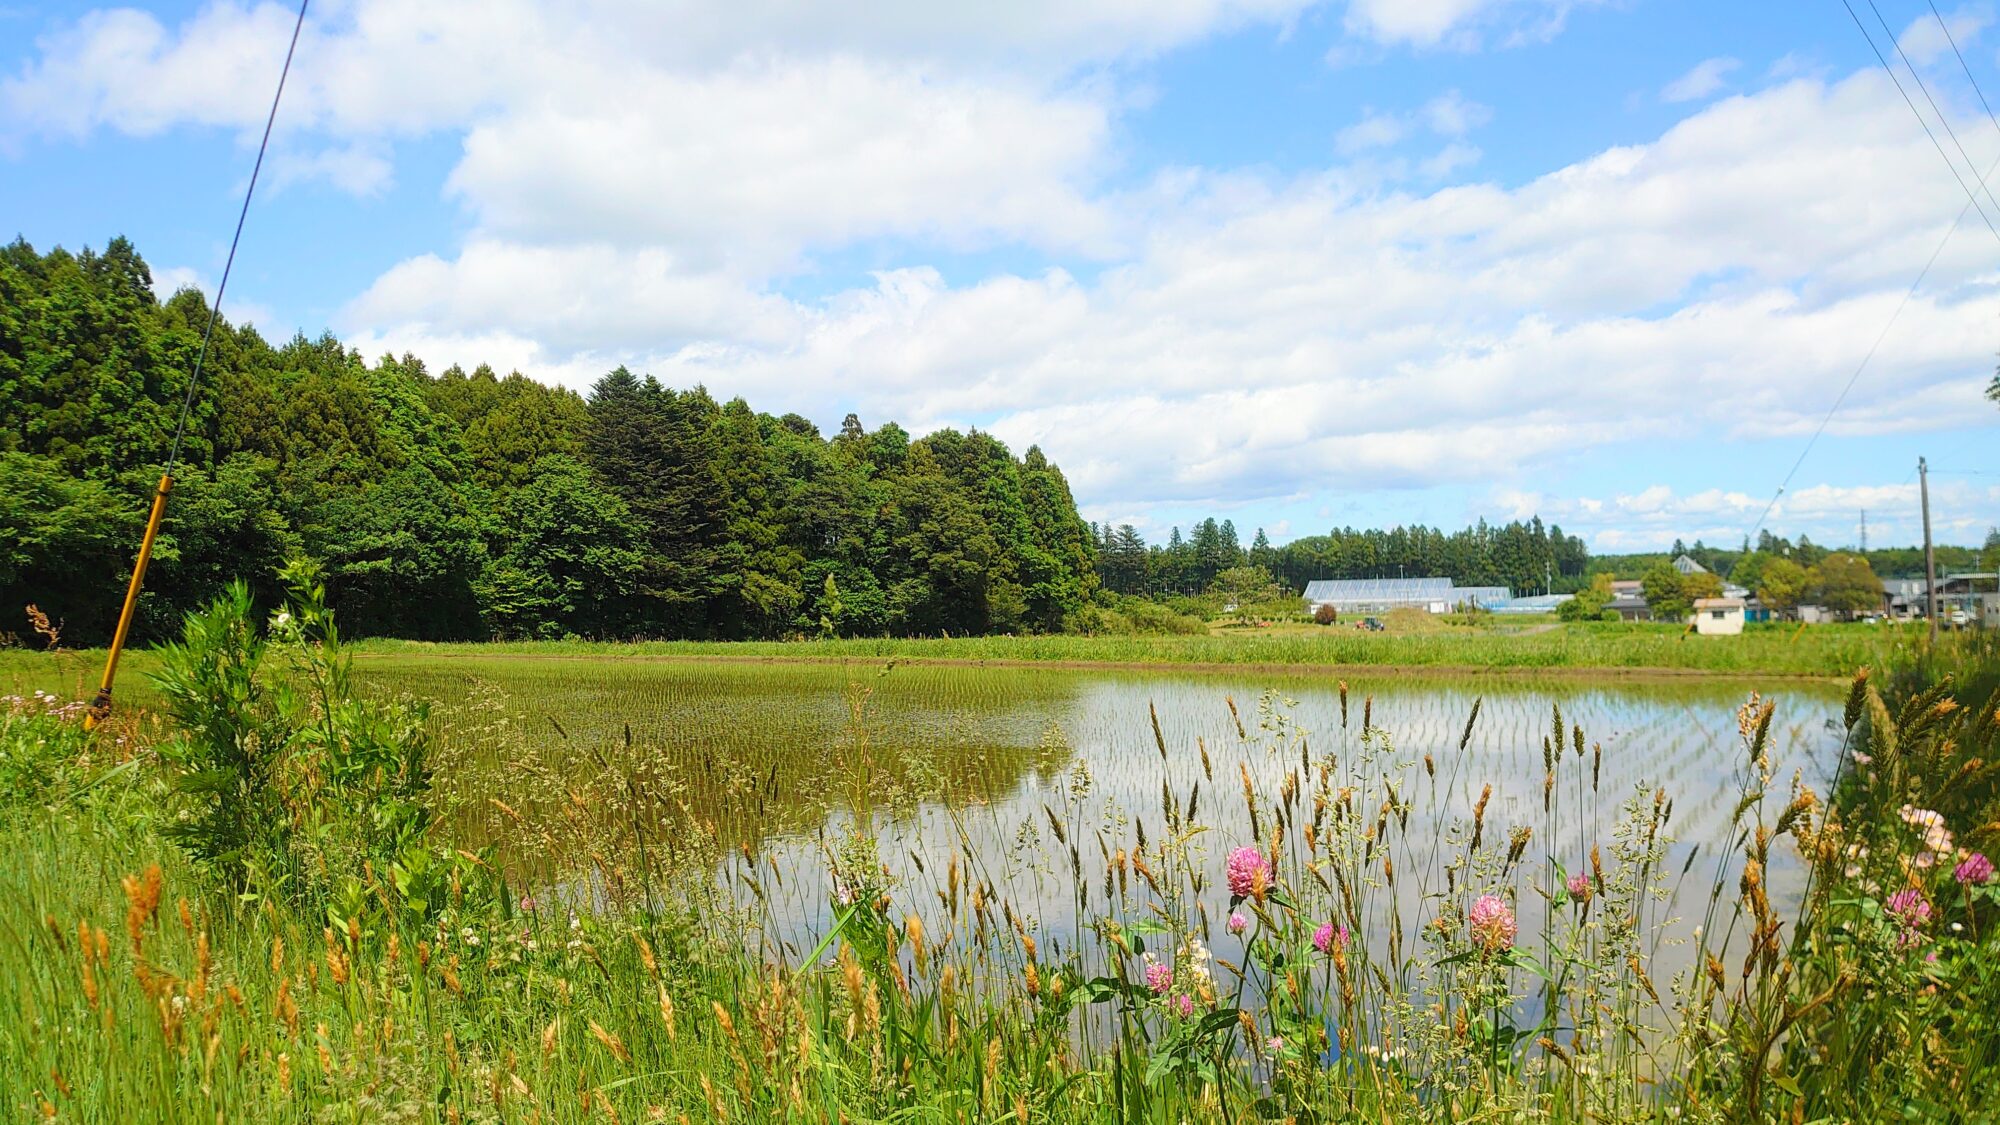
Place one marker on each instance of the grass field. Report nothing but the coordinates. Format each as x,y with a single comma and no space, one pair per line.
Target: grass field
1823,650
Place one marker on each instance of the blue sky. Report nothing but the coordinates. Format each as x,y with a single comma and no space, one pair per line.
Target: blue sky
1300,264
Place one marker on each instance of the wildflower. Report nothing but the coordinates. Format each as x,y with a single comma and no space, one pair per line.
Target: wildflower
1326,939
1183,1005
1920,818
1976,869
1579,887
1238,923
1491,922
1249,873
1159,976
1909,907
1276,1045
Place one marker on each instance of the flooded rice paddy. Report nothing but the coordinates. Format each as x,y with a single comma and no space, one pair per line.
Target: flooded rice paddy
1034,779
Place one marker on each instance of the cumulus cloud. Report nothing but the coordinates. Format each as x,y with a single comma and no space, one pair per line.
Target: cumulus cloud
767,158
1270,337
643,183
1654,517
1457,24
1704,79
1925,42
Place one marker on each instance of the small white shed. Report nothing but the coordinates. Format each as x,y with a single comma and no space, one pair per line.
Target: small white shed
1718,617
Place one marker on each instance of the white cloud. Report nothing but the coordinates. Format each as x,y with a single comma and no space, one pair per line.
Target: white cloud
642,183
1704,79
385,66
764,159
1278,337
1457,24
1374,130
1925,42
361,169
1448,115
1656,516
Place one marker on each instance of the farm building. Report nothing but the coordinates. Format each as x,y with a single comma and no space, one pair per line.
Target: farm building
1630,607
1718,617
1534,603
1480,597
1380,595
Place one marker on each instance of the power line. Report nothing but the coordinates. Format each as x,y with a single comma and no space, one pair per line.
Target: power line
229,263
1942,26
1971,204
1935,143
1924,88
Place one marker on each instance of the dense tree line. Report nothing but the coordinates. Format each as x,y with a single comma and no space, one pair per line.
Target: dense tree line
465,505
1742,564
1525,557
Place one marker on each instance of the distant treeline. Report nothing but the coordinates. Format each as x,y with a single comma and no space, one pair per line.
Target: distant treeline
470,505
1524,557
1885,561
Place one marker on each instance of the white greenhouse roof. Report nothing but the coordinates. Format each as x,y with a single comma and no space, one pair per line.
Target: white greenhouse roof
1411,591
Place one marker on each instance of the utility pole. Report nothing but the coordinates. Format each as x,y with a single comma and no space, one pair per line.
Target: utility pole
1930,556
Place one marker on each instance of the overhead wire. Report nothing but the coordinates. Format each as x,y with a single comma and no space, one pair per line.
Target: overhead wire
1907,100
1925,89
100,706
229,263
1971,204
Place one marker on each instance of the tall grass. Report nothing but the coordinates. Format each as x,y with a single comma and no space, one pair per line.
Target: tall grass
1352,940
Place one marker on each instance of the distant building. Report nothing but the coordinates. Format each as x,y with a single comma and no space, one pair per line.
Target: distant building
1687,565
1718,617
1976,594
1380,595
1535,603
1480,597
1903,598
1630,607
1622,587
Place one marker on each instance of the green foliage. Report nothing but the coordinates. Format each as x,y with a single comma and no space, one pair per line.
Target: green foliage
664,513
1251,590
1846,583
1666,592
1517,555
1116,615
1782,584
1589,602
44,753
282,778
571,560
1888,1013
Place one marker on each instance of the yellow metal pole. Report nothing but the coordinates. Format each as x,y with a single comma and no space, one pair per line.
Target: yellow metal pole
100,707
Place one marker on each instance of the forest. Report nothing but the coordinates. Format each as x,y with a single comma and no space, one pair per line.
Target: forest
1518,555
470,505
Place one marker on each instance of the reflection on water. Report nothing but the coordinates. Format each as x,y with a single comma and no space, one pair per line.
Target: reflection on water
973,762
